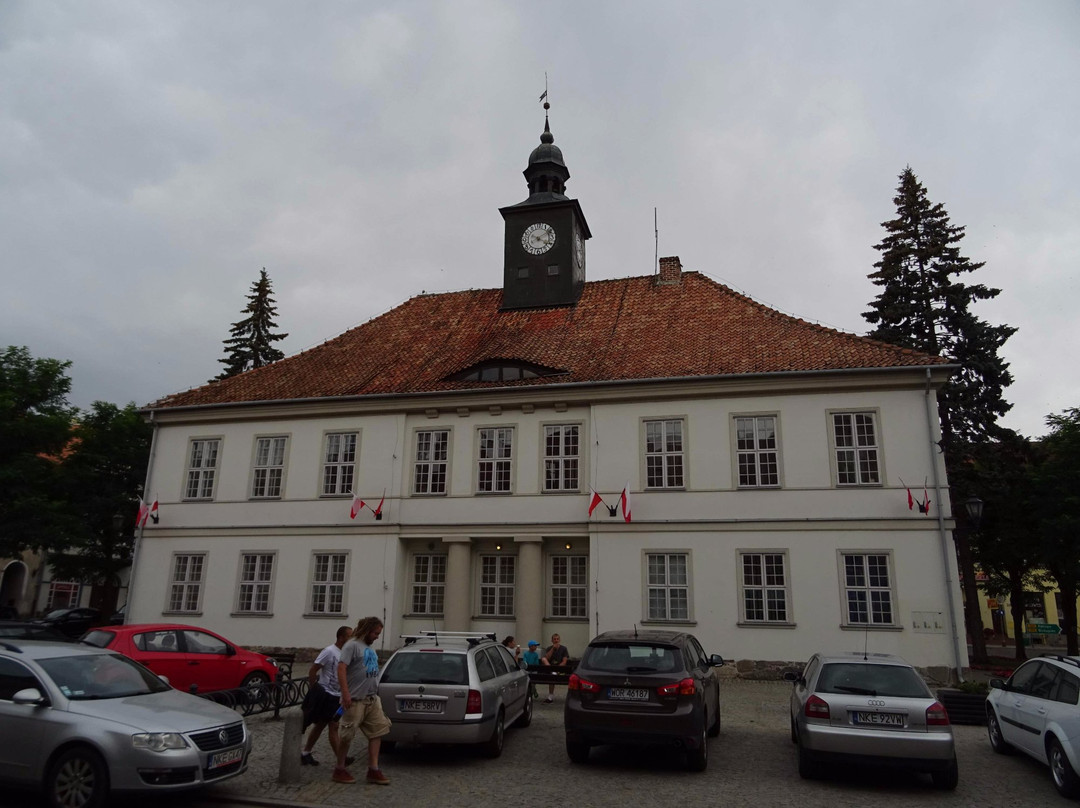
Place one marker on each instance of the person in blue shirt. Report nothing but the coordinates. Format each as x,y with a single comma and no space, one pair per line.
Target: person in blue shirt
532,657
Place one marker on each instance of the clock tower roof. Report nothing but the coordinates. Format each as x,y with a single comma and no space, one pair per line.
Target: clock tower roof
546,172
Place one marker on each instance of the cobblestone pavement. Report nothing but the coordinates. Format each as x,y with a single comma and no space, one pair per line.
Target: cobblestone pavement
752,762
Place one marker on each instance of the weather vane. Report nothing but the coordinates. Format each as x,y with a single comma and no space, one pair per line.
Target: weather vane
544,95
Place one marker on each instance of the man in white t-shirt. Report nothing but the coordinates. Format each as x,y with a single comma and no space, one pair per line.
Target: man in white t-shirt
324,697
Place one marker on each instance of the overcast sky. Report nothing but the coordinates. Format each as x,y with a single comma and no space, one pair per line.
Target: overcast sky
155,155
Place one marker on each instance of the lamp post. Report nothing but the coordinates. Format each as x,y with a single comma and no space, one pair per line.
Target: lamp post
972,614
974,507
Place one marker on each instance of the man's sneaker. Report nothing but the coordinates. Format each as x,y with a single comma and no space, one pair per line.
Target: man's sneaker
376,776
549,700
307,759
343,776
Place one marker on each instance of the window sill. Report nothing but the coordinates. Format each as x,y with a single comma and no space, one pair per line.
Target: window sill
869,627
423,616
323,615
493,617
669,622
264,499
183,614
251,614
428,494
764,624
550,619
494,493
575,491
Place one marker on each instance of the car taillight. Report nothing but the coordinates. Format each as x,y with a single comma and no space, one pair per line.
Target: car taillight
584,685
936,715
816,707
474,704
684,688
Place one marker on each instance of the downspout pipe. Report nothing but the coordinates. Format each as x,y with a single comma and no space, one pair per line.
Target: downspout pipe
139,528
946,559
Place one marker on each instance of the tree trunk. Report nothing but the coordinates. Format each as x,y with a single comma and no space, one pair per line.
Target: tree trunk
1016,606
1067,585
972,613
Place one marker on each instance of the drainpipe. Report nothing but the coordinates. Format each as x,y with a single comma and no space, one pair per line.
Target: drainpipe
943,533
138,528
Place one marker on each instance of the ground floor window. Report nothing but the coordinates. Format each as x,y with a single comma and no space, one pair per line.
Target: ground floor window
867,585
63,595
667,586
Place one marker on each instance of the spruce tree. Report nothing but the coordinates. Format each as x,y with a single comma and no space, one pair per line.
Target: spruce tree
251,342
924,305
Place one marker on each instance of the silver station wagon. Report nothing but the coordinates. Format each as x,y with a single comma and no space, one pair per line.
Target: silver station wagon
454,687
85,722
870,708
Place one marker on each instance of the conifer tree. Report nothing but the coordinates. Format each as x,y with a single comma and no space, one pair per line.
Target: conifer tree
924,305
251,342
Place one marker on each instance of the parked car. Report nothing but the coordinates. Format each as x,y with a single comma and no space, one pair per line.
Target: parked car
191,658
1036,712
29,630
454,687
72,622
648,687
82,722
870,708
119,616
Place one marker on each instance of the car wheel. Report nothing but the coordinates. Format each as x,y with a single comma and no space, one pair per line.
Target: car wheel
77,778
808,770
1065,779
698,759
714,729
493,747
946,779
993,729
526,713
255,679
577,751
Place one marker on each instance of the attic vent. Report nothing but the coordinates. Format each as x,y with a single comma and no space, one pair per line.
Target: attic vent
502,370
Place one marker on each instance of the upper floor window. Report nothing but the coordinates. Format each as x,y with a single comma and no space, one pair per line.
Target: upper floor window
269,468
428,583
186,582
497,585
432,456
569,586
256,581
664,453
756,449
495,455
328,582
561,454
202,467
503,370
668,586
764,587
855,442
868,589
339,463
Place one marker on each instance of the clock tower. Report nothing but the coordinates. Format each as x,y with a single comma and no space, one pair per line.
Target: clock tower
544,252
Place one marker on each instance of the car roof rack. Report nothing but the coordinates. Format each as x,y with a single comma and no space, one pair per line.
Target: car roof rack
472,637
1060,658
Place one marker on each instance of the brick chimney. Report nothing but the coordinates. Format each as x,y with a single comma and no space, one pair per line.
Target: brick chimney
670,272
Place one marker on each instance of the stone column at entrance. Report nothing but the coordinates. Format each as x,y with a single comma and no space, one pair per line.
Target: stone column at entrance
530,590
456,611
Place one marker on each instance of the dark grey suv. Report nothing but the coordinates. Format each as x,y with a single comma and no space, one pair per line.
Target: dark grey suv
645,688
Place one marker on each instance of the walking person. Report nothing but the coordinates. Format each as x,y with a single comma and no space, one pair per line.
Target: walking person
358,677
324,698
555,655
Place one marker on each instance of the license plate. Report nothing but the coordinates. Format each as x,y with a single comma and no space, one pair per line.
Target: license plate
878,719
628,693
421,706
219,759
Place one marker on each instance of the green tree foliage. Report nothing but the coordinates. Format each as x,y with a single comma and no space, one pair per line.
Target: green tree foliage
250,344
1057,512
35,430
100,479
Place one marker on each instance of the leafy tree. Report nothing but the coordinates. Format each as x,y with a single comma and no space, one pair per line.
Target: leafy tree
100,479
924,305
1057,512
251,342
35,429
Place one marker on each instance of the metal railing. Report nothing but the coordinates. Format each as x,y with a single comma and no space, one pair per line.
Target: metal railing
261,698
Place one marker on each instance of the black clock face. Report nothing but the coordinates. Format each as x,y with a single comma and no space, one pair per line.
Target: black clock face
538,238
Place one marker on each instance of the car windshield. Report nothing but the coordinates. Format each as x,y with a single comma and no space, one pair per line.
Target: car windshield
101,676
631,657
427,668
98,638
872,680
55,613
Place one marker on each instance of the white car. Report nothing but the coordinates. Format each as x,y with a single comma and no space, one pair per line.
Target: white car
1036,712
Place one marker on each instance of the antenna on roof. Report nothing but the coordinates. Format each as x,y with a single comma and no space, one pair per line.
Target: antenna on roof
656,243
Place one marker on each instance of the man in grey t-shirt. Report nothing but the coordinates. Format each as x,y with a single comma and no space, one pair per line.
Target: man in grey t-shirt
358,676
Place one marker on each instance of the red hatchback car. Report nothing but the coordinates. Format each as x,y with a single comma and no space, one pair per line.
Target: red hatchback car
193,659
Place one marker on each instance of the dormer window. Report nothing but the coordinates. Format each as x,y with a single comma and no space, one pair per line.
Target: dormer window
502,370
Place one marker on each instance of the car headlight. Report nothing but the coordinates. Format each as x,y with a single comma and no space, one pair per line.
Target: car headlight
159,741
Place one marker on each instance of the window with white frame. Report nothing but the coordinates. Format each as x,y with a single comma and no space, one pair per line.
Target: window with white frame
764,587
664,453
757,452
569,586
63,595
497,585
668,586
269,467
428,583
328,582
186,582
868,593
202,468
430,466
339,463
855,441
562,448
495,455
256,580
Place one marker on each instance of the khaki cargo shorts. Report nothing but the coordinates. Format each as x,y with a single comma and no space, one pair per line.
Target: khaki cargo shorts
366,715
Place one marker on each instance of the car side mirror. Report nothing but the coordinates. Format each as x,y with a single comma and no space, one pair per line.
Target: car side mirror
716,660
164,678
29,695
794,677
523,665
231,651
999,684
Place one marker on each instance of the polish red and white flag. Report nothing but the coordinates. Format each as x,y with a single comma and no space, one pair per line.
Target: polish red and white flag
624,500
357,504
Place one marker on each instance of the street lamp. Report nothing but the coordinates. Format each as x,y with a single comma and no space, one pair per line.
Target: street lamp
974,507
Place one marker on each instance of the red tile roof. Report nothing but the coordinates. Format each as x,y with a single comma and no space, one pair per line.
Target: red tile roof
623,329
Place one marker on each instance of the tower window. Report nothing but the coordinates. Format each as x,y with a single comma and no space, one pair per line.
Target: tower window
553,269
523,272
